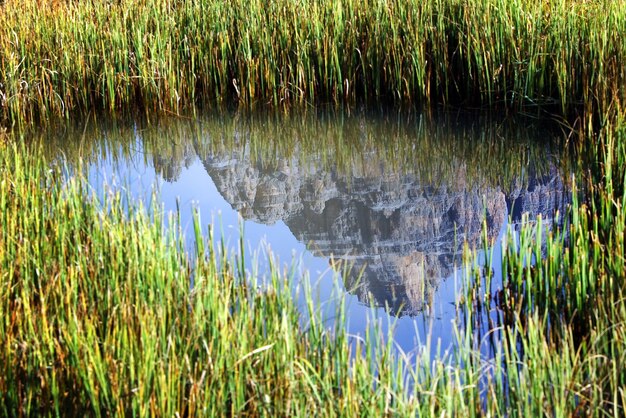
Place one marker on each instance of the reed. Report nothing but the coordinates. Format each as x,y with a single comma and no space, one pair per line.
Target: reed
65,57
98,318
558,325
97,315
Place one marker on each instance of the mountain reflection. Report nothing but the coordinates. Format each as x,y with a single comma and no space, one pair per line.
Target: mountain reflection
399,234
394,200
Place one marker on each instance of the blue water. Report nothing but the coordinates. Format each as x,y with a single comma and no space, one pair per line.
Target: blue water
293,207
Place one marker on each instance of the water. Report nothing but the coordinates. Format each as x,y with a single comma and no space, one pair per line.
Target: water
387,200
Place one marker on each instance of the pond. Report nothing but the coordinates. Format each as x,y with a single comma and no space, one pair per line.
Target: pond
376,207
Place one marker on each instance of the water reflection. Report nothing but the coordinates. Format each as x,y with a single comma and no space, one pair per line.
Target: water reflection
393,198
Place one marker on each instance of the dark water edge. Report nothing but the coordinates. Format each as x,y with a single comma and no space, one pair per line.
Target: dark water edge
376,206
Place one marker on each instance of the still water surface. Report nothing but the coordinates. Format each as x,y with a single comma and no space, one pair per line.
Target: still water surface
394,198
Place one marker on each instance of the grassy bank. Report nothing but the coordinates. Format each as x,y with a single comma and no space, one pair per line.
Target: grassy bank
98,318
64,57
96,313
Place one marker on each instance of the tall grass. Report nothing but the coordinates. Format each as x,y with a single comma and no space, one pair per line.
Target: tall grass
61,57
96,313
560,318
98,318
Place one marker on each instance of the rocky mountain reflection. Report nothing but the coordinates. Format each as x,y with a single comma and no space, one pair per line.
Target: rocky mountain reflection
399,225
394,199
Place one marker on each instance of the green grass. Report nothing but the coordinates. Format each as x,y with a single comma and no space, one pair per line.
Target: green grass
98,318
561,314
96,313
63,57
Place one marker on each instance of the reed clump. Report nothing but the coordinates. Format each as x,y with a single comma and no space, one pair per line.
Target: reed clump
558,324
97,315
98,318
59,58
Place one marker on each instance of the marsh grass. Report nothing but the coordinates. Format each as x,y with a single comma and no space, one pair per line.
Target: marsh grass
99,318
65,57
558,320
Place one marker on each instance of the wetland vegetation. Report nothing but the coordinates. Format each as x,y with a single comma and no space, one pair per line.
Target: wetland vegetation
97,312
61,57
